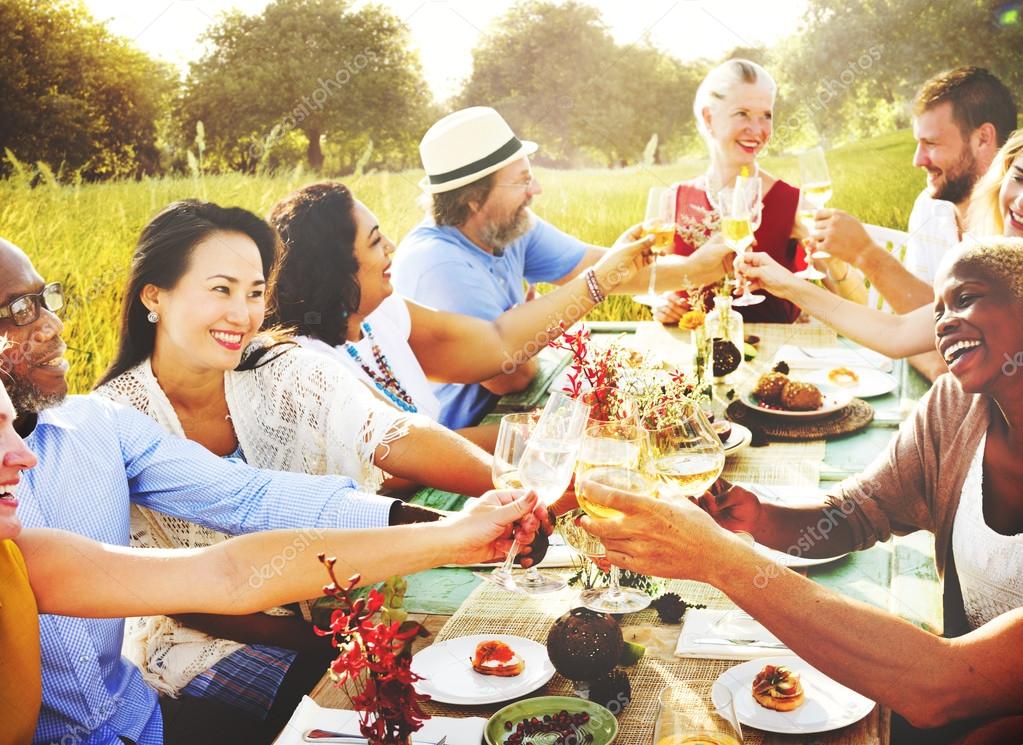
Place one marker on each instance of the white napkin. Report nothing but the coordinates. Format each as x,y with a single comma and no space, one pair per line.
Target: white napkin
310,715
723,624
815,358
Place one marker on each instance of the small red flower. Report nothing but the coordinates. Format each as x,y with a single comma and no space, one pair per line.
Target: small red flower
375,658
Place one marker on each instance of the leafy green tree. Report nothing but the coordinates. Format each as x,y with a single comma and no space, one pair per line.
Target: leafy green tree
318,67
75,96
557,76
853,66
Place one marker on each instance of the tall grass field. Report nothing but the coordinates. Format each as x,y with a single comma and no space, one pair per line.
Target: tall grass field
83,235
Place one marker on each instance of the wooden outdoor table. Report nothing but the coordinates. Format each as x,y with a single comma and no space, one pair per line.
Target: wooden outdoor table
898,575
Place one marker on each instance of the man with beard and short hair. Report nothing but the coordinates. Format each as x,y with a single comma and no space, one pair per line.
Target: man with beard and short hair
481,243
96,458
960,119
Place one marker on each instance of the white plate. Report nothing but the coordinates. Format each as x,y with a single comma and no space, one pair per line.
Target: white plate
739,438
791,561
828,705
450,679
835,399
870,382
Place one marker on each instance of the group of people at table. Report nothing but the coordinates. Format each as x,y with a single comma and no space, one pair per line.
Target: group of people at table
272,378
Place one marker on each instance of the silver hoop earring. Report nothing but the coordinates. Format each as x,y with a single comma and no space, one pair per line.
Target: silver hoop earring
153,316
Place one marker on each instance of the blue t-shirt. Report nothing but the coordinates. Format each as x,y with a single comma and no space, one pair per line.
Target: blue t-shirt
439,267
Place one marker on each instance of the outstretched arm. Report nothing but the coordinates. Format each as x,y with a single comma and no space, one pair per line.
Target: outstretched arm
928,679
457,348
73,575
892,335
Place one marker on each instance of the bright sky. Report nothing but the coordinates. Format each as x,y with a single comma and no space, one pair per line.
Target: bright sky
445,31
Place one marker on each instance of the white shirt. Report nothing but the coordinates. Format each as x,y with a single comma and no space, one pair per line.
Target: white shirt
932,232
391,326
989,564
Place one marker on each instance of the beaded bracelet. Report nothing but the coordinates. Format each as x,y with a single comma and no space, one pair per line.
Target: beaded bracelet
593,286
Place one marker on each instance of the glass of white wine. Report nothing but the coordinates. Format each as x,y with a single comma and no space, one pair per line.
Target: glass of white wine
740,207
697,712
660,223
610,455
816,184
541,457
807,215
684,453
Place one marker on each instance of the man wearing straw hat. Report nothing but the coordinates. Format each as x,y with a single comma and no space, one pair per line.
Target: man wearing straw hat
481,243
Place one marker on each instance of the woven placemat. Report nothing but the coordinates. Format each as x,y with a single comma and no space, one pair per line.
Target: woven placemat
854,417
491,610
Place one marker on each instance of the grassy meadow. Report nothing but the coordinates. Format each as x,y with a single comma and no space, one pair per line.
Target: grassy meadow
83,235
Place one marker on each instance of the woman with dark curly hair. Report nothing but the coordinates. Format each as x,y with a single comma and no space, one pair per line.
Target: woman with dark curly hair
334,287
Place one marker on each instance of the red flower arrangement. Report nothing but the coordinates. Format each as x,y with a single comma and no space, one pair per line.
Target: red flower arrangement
374,658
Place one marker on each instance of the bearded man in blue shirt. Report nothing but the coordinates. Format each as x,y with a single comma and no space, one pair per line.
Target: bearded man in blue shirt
481,242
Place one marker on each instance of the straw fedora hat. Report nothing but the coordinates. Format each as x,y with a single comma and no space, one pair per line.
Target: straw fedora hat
466,146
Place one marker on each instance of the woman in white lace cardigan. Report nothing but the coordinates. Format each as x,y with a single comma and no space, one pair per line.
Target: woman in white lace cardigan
189,356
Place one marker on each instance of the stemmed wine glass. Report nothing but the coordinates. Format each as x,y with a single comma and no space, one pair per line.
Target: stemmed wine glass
807,216
659,222
816,187
610,455
683,452
740,207
540,457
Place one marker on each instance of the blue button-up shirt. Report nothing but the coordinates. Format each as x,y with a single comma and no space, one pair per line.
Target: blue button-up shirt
95,458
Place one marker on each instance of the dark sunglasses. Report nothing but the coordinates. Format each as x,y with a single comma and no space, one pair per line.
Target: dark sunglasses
25,309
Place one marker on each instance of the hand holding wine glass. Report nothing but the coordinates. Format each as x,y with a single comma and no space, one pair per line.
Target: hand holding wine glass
541,457
610,456
816,188
740,207
807,215
684,453
660,223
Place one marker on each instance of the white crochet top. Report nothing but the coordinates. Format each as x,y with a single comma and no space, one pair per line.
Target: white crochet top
989,564
298,412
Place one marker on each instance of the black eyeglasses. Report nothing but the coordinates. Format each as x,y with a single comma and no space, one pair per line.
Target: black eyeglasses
25,309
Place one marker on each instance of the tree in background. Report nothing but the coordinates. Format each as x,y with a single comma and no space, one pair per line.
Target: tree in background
854,66
74,96
315,67
557,76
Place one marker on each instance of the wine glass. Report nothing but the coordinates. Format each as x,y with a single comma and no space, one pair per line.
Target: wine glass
610,455
660,223
816,184
539,457
683,451
807,216
697,712
740,207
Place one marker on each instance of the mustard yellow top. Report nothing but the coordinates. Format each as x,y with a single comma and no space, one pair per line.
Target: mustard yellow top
20,682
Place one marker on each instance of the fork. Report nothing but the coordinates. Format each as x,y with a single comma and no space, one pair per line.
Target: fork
327,736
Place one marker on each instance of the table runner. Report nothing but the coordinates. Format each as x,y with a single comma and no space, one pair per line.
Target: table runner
490,609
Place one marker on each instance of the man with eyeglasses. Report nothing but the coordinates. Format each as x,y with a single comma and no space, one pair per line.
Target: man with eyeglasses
481,243
95,459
